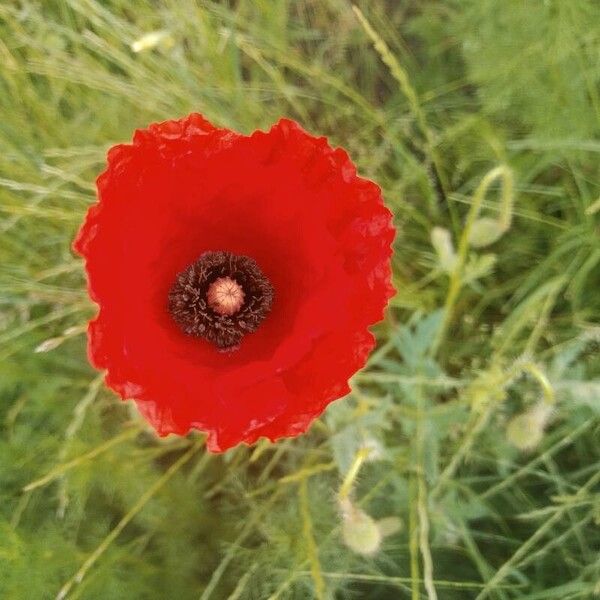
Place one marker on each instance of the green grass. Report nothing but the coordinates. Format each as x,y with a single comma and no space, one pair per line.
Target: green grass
436,101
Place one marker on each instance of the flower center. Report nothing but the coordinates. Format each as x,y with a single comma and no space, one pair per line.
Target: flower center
225,296
220,297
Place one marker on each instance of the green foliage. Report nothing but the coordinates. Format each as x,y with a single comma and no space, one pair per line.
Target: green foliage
498,317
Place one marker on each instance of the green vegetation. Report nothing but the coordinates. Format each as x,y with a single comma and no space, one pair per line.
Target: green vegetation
480,406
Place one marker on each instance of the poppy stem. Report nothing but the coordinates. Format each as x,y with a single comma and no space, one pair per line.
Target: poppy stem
457,275
312,549
350,478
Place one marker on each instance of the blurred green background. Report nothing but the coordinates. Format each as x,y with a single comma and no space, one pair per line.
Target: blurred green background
481,404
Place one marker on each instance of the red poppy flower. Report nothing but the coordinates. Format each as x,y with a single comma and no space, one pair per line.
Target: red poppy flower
236,277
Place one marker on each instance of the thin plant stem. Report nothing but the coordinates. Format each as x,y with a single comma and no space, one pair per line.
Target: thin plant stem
422,512
413,546
348,482
457,274
312,550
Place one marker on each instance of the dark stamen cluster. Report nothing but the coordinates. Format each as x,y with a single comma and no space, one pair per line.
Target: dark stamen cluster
190,307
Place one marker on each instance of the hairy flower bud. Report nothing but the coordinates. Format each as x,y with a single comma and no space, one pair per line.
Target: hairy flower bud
360,531
525,431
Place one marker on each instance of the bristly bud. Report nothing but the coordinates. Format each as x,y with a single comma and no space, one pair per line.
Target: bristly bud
49,344
525,431
360,531
442,243
485,232
151,40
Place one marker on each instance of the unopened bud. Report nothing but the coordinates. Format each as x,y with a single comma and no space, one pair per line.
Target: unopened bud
485,231
151,40
49,344
442,243
525,431
360,531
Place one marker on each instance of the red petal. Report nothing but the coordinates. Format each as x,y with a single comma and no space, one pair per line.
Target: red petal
319,232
